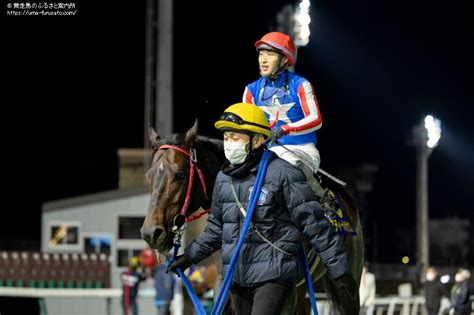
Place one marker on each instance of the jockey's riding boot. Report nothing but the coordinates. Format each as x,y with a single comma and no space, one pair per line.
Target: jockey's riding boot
317,188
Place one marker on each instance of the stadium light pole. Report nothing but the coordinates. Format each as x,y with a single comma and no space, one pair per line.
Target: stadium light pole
294,20
426,136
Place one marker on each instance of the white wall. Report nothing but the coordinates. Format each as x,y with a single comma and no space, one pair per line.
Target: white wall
95,217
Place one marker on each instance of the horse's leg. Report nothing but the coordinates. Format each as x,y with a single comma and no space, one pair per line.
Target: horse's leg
354,246
342,302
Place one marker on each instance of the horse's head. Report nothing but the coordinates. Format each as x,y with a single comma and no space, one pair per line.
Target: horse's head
181,179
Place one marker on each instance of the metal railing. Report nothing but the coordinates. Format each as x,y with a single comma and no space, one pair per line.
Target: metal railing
386,305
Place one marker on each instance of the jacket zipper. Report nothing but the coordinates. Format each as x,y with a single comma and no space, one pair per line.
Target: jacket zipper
240,229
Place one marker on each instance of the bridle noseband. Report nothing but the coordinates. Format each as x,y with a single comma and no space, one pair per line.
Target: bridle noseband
181,218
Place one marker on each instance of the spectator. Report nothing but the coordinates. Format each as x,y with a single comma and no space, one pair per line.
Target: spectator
434,291
367,290
131,279
164,287
460,293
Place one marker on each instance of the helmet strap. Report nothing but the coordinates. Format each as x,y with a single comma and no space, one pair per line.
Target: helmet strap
280,68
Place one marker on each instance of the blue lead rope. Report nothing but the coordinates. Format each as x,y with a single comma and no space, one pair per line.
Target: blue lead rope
254,195
224,291
307,279
194,298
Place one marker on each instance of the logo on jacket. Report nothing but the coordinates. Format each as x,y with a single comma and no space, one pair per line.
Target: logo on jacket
262,197
278,109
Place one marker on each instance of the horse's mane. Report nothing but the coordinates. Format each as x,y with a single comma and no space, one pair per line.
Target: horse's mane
214,145
173,139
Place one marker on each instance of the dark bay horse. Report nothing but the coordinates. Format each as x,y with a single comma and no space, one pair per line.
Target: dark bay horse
179,157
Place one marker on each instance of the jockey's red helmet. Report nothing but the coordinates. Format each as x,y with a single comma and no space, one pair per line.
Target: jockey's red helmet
279,42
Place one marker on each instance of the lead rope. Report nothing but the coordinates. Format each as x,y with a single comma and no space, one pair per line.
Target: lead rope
221,298
308,279
301,253
189,288
220,301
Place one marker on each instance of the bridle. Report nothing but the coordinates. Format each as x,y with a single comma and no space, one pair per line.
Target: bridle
181,218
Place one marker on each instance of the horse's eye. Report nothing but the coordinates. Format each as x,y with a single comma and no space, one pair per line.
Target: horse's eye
180,175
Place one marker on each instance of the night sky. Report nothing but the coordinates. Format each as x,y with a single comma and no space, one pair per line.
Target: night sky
74,94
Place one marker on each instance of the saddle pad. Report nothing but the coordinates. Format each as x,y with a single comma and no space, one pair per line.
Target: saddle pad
337,216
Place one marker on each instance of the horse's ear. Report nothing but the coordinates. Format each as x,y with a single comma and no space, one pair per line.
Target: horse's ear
191,135
153,136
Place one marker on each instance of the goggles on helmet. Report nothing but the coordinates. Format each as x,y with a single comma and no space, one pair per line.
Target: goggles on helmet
236,119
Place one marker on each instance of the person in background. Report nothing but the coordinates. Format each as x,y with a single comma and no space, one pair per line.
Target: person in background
367,290
461,292
434,291
131,279
164,287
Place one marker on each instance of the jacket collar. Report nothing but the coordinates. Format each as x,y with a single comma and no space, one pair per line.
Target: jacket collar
280,80
249,166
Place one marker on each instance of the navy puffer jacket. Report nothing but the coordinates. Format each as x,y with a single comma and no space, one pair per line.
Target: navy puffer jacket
287,208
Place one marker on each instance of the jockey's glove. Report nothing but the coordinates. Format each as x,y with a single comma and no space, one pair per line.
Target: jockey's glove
277,134
181,262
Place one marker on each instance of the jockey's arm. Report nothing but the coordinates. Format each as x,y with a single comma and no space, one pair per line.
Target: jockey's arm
248,97
309,104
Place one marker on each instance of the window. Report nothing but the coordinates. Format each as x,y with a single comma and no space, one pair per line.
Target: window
64,234
129,227
97,244
124,256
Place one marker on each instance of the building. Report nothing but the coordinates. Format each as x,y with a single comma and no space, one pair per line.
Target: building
107,223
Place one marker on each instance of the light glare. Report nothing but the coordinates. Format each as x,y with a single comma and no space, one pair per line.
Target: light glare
445,279
302,21
433,127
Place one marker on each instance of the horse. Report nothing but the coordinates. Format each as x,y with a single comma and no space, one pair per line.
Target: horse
176,195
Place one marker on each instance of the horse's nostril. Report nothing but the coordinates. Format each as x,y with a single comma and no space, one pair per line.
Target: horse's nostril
157,233
145,236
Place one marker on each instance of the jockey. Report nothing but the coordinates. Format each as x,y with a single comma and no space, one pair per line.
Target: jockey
287,210
289,103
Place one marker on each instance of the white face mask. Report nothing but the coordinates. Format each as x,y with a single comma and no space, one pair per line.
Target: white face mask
235,151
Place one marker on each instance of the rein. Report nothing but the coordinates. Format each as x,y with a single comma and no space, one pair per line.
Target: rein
180,219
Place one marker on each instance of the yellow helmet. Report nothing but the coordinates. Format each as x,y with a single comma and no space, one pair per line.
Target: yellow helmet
134,262
244,117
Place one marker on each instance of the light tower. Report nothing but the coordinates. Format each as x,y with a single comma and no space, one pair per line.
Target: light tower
426,136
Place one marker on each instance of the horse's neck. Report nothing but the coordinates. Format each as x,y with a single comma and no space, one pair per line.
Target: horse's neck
213,160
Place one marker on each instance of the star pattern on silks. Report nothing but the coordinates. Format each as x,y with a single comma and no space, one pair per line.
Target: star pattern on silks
279,108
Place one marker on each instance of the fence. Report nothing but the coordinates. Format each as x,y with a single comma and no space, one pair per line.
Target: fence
390,305
45,270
